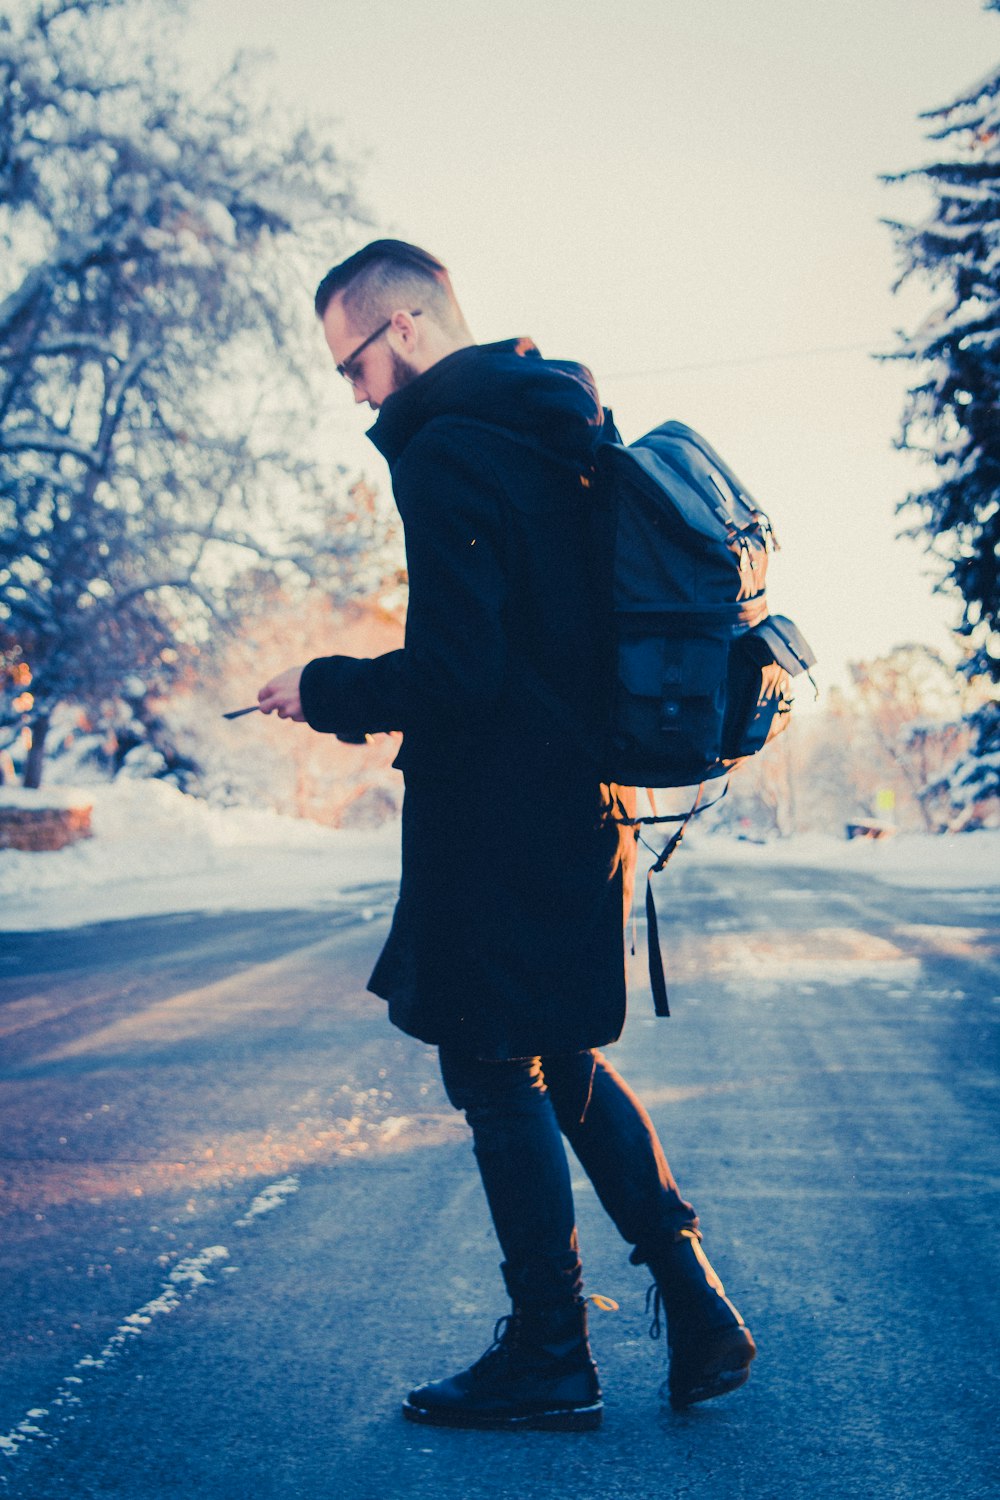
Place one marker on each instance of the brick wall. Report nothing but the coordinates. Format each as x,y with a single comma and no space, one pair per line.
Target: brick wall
42,828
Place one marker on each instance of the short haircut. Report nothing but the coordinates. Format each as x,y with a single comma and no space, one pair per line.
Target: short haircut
386,275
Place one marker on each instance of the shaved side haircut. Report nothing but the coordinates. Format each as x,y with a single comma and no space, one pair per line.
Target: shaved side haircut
386,275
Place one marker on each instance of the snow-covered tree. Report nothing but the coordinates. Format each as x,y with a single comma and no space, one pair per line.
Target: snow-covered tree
157,251
953,412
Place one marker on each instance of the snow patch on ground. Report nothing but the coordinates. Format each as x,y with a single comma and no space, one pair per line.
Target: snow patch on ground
185,1278
272,1197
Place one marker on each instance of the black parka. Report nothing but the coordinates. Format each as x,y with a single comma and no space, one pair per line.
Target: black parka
507,939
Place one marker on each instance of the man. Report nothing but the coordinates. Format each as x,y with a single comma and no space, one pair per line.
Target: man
507,945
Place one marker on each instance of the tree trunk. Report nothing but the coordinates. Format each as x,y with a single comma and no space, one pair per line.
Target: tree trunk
36,755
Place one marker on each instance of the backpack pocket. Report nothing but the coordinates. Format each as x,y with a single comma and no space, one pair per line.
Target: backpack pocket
668,719
762,663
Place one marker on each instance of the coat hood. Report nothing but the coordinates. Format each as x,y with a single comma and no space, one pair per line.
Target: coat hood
509,384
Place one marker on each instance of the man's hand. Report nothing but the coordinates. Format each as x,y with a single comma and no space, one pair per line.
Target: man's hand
281,696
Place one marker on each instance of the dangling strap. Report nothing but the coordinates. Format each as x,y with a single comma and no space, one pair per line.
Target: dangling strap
657,979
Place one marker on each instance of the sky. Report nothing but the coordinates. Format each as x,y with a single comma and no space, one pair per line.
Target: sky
685,197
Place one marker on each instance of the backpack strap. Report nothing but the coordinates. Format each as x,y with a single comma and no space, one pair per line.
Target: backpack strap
657,978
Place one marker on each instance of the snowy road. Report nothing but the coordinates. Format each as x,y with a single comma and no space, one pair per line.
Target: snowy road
241,1218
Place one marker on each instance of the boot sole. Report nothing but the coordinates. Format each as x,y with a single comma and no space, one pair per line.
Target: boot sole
571,1419
727,1372
719,1385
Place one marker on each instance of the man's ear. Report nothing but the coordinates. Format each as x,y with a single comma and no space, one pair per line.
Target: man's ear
404,329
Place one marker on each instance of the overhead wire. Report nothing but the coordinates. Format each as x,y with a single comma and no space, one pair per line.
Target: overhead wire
749,359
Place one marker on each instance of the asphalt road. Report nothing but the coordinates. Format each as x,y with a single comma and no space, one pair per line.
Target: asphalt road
241,1219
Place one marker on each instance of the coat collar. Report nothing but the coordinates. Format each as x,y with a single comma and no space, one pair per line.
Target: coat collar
507,384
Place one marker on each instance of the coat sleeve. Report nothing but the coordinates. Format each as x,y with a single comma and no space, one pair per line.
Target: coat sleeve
452,668
352,695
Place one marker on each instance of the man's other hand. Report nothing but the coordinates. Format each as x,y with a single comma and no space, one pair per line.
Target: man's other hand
281,696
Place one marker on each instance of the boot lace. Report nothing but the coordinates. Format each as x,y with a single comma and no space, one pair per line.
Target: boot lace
505,1333
654,1302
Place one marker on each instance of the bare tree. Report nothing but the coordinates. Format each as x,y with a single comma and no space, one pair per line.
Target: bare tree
153,359
914,704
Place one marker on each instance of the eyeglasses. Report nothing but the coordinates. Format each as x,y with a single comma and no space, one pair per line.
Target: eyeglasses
352,375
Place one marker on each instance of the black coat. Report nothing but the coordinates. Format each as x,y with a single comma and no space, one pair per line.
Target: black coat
508,936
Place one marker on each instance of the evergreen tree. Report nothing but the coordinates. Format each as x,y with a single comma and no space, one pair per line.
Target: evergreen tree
156,343
953,412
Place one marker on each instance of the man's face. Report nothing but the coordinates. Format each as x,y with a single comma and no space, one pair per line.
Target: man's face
377,371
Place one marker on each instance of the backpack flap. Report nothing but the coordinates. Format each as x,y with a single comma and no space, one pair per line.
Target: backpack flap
701,509
702,485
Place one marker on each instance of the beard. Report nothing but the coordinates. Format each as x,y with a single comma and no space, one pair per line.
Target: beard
402,372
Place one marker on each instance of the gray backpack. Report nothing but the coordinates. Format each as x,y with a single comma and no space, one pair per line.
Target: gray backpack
701,671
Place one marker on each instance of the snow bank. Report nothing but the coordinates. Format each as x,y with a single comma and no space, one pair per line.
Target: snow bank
156,850
59,797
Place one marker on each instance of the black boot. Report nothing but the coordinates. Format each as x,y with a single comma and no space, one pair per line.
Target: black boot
710,1345
537,1373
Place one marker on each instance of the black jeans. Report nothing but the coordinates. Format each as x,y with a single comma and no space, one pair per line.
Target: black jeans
519,1111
